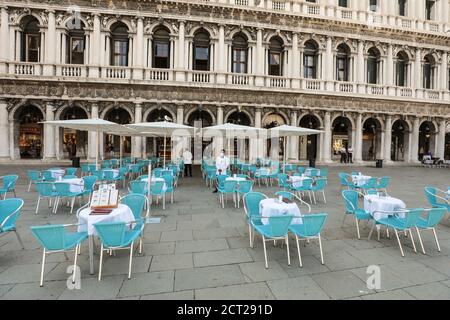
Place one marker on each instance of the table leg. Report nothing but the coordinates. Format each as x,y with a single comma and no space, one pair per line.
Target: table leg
91,254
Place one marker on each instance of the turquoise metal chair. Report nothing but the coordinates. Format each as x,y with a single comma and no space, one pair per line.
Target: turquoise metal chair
283,181
10,210
293,197
63,191
9,185
157,172
310,228
70,176
45,190
210,176
89,185
55,239
229,187
312,172
99,174
370,184
115,236
34,176
433,218
157,189
301,170
351,198
170,185
319,186
346,180
138,187
92,168
243,187
84,169
71,171
106,164
372,192
137,203
305,186
135,170
436,198
323,173
403,224
121,176
383,184
263,174
114,163
277,228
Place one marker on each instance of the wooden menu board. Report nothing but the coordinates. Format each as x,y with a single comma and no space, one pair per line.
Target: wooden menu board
105,199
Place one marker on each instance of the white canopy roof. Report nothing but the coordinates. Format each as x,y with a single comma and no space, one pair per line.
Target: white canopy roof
98,125
233,131
286,130
163,128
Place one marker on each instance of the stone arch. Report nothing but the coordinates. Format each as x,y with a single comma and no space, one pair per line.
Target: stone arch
148,111
150,29
236,31
230,112
198,28
283,115
19,19
110,107
204,109
125,21
346,116
276,34
66,106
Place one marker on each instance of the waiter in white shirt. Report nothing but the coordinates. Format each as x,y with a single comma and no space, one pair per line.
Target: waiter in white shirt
187,158
222,165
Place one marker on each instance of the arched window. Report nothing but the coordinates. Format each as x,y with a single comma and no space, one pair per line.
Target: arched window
342,63
161,49
240,53
373,66
310,60
276,57
119,45
75,45
401,70
429,67
31,40
201,51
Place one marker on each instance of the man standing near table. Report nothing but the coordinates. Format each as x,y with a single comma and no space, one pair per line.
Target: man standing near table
222,165
187,158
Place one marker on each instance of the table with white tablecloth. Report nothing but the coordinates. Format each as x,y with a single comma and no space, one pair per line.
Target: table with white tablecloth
273,208
86,223
237,179
57,173
297,181
309,171
76,184
360,180
155,179
374,204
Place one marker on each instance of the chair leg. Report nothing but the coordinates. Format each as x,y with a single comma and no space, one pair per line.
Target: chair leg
18,238
72,204
298,250
399,243
288,252
101,264
420,240
265,252
357,228
324,198
75,263
29,186
343,220
321,251
140,245
42,269
250,235
371,230
131,260
412,240
37,206
436,238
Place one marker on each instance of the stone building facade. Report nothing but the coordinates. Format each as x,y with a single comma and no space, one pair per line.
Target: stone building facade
373,75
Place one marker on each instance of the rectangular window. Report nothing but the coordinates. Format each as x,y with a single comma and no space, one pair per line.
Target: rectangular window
120,55
161,55
76,51
275,64
32,42
342,69
201,59
373,5
401,74
239,61
430,9
402,8
372,72
309,64
343,3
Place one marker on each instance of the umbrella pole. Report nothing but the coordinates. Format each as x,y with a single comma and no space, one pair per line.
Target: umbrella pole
164,150
121,150
285,154
149,196
97,150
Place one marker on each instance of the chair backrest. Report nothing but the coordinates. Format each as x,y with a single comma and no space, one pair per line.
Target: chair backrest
314,223
9,181
372,192
168,178
350,200
99,174
412,217
51,237
320,184
89,182
70,176
435,216
301,170
370,184
286,194
221,180
34,175
245,186
135,168
62,188
324,172
282,179
122,172
430,194
47,175
112,234
313,172
84,167
279,225
10,210
143,177
229,186
71,171
251,203
383,182
136,203
108,174
92,167
45,189
157,187
138,187
307,183
343,179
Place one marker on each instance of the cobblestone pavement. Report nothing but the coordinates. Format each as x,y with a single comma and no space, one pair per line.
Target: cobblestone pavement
201,251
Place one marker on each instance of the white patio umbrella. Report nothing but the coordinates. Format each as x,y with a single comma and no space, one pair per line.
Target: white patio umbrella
291,131
163,129
96,125
230,130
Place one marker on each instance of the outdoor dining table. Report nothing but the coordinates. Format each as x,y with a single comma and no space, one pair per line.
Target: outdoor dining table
297,181
57,173
156,179
273,208
309,171
76,184
360,180
86,223
381,207
237,179
116,172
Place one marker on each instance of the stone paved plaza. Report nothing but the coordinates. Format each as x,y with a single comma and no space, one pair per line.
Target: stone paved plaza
201,251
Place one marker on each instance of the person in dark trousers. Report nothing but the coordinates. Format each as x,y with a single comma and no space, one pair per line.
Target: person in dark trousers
187,158
350,155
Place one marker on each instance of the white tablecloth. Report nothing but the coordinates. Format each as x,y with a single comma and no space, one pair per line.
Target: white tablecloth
121,214
271,208
373,203
237,179
297,181
262,171
360,180
57,173
154,179
76,185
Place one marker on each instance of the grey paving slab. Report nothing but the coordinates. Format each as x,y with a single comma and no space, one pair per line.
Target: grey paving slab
252,291
341,284
92,289
301,288
416,272
178,295
429,291
215,258
179,235
25,273
389,295
32,291
389,279
147,283
201,245
256,271
171,262
215,233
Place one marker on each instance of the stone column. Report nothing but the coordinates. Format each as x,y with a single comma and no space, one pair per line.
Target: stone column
260,142
357,147
181,142
329,65
293,141
50,46
388,139
418,74
221,55
138,71
444,74
136,142
181,52
93,135
4,130
441,139
327,138
49,132
414,147
360,67
95,49
321,144
390,70
4,36
260,63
